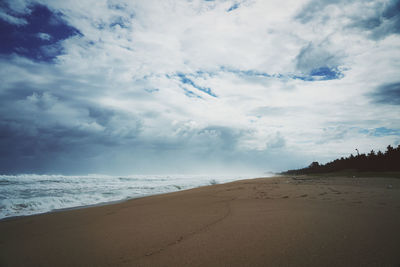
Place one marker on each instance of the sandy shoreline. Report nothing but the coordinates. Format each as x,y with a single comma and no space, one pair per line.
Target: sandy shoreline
260,222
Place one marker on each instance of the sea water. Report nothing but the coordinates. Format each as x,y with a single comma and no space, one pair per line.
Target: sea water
29,194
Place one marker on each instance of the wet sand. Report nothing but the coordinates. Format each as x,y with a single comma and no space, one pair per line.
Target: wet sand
283,221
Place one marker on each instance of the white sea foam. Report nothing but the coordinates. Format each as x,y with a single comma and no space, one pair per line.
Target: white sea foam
31,194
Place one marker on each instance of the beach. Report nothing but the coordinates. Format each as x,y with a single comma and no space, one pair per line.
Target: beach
280,221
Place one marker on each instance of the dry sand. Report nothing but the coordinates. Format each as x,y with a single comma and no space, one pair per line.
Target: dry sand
261,222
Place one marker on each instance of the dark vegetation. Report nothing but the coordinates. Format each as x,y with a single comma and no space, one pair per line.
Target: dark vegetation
371,162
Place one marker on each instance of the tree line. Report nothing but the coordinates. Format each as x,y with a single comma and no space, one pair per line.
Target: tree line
373,161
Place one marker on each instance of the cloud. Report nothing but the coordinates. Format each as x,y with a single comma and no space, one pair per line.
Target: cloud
377,19
44,36
382,21
315,61
185,86
42,128
316,9
387,94
11,19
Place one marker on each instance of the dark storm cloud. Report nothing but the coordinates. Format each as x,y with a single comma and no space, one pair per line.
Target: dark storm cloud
40,146
53,125
384,22
387,94
381,20
39,128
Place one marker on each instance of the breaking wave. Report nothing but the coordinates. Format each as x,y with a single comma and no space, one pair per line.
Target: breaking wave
29,194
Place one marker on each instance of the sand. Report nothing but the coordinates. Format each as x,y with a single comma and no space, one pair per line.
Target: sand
282,221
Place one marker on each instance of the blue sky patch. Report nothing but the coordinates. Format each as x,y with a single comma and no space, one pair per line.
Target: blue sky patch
327,73
383,131
38,39
233,7
320,74
363,131
186,80
323,73
191,93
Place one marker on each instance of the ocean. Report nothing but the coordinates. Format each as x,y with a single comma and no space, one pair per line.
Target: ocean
28,194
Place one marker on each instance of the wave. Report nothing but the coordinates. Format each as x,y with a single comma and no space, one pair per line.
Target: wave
28,194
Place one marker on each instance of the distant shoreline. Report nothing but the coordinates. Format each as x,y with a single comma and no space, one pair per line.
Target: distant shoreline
105,203
26,195
350,174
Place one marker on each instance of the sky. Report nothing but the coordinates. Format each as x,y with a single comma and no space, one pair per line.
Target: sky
195,86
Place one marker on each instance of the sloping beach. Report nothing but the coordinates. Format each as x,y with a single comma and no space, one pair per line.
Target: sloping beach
284,221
